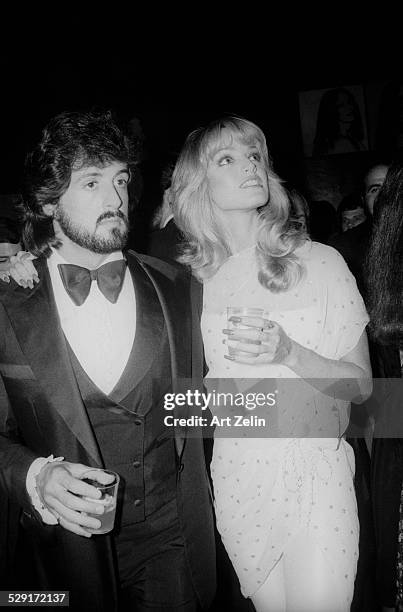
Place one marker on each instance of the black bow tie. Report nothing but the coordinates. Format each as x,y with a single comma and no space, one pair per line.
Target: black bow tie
77,280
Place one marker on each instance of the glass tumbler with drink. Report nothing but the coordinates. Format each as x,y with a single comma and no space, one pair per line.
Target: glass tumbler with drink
95,478
234,313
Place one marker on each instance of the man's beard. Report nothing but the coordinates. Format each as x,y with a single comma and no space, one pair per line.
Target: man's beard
99,244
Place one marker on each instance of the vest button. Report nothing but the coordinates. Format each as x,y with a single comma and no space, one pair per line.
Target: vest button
180,468
138,502
136,464
137,422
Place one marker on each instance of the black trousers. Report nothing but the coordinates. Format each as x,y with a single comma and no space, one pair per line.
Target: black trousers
153,568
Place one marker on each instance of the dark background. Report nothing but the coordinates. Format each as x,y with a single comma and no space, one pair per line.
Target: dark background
170,100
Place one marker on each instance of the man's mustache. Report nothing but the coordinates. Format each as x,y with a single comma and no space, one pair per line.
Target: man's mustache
112,215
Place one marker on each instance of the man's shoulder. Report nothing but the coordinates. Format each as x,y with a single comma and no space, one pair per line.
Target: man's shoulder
11,289
352,237
170,269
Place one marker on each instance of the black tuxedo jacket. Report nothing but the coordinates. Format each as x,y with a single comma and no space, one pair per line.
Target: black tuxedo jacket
165,242
42,413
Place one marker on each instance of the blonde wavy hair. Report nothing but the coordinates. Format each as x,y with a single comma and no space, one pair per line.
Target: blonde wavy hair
207,243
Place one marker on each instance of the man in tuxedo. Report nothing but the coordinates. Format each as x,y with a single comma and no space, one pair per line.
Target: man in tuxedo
86,357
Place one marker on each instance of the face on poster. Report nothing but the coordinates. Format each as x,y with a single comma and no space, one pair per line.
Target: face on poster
333,121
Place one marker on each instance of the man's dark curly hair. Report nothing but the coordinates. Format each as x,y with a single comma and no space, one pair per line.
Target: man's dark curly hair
70,141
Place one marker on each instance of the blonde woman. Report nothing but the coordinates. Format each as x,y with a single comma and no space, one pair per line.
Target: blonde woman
285,507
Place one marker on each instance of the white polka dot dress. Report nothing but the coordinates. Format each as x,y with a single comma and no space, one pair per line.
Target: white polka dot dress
269,490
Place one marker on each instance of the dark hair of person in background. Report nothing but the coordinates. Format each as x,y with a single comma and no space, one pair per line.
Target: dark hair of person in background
385,261
9,230
98,140
10,244
322,220
339,127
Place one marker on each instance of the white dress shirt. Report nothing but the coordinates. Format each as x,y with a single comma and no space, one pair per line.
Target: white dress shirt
100,333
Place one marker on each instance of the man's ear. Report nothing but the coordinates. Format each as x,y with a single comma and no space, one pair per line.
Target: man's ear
49,209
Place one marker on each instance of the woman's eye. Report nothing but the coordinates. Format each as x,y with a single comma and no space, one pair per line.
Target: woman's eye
91,184
224,161
255,156
122,181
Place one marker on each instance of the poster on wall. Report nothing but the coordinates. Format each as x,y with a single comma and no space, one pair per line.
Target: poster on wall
333,121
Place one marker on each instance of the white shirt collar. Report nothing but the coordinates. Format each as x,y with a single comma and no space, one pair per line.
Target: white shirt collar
55,258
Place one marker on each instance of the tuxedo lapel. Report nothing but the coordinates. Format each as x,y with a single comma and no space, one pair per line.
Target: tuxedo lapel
174,298
149,330
175,302
35,320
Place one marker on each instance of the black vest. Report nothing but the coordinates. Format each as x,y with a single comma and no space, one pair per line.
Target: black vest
128,423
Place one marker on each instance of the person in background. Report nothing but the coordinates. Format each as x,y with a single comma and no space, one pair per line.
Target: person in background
353,245
87,354
339,127
351,212
373,181
299,209
10,244
385,299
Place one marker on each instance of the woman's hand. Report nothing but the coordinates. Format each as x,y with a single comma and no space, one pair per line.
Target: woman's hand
262,341
257,341
22,270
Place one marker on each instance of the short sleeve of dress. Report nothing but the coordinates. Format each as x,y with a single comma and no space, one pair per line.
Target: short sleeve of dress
345,313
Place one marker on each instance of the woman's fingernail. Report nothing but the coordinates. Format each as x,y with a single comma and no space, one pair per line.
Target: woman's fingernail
36,278
229,357
235,319
228,332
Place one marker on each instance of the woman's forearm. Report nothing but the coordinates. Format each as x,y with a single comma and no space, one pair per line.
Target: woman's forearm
340,378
